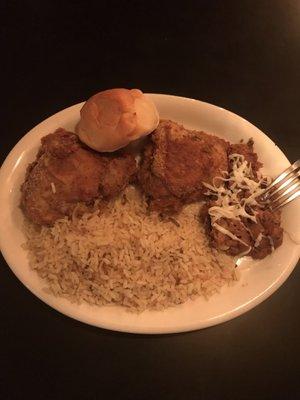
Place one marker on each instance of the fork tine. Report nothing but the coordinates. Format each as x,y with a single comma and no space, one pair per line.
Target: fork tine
289,190
288,200
295,176
282,176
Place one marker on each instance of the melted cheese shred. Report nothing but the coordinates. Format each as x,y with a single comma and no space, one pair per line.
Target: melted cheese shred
53,188
230,201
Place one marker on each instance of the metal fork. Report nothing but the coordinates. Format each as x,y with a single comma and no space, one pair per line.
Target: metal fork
284,189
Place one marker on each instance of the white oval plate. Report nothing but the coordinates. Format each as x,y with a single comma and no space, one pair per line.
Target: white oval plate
259,279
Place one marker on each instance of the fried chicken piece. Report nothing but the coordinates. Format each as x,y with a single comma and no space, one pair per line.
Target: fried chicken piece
66,173
176,163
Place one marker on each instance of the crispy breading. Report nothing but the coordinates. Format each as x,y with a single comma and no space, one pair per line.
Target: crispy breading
177,162
66,173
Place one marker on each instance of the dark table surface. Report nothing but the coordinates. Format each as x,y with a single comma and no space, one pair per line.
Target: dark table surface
241,55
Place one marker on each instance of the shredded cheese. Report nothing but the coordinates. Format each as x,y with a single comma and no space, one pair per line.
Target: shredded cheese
271,243
258,240
230,200
53,187
230,234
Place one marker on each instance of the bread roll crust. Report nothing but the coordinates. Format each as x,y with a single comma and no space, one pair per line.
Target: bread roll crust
113,118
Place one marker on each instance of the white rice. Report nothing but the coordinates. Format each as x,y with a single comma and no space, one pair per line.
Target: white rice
126,256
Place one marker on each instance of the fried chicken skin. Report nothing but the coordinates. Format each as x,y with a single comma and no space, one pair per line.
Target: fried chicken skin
66,173
176,163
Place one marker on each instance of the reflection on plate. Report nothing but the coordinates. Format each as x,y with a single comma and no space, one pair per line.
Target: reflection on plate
258,279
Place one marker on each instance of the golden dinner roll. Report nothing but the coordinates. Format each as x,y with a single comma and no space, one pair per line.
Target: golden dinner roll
113,118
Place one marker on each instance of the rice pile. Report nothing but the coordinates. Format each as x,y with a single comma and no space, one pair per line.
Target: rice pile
126,256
